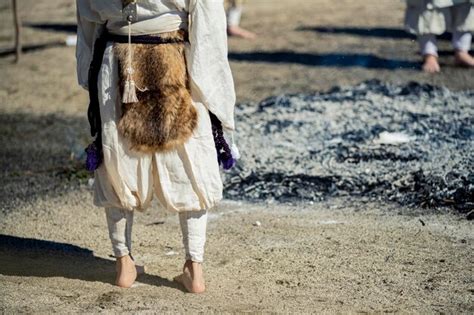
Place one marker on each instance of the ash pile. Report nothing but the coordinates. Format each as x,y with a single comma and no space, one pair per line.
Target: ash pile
411,144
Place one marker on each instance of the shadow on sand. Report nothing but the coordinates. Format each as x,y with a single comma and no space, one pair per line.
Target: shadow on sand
27,257
32,48
36,155
70,28
340,60
380,32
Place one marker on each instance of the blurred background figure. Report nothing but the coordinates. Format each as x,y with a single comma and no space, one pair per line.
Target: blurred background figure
234,15
428,18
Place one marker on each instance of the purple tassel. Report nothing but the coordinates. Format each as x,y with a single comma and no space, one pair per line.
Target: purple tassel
228,163
94,156
224,154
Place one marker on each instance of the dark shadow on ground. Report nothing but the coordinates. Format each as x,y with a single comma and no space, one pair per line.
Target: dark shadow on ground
32,48
381,32
340,60
40,156
27,257
70,28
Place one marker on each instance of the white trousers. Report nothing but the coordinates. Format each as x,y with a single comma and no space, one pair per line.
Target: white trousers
234,15
461,41
193,227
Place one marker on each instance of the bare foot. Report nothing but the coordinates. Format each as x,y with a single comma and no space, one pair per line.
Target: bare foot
192,277
464,59
126,272
240,32
430,64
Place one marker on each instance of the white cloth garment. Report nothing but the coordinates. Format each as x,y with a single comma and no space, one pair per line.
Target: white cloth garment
187,178
234,15
193,228
119,222
430,17
462,41
428,46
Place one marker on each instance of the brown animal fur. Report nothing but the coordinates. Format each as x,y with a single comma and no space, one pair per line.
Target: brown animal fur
164,115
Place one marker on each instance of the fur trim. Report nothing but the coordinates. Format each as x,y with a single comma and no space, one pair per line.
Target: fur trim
164,115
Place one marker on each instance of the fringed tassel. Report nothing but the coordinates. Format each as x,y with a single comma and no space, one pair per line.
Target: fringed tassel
95,155
234,149
224,153
130,89
129,92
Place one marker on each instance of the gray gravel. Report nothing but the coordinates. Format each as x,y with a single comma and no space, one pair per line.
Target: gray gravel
311,146
303,147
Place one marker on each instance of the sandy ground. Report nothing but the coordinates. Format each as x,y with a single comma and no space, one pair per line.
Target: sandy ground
338,256
342,255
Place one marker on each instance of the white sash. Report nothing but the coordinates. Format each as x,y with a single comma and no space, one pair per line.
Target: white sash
163,23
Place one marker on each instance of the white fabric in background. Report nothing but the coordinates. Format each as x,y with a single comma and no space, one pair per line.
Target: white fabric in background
428,45
234,15
420,20
462,41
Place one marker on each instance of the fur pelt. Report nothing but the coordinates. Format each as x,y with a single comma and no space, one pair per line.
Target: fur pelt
164,115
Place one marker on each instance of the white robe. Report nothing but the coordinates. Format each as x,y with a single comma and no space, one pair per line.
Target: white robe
184,179
438,16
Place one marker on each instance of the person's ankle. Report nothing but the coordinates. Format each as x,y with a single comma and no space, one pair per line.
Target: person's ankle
464,59
430,56
125,260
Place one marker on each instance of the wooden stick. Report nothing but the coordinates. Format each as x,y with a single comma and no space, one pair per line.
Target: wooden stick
16,20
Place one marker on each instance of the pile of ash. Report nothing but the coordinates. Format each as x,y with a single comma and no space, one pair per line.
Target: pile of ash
412,144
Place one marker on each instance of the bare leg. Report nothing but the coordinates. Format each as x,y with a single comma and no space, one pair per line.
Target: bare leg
429,50
193,227
233,23
119,222
462,43
238,31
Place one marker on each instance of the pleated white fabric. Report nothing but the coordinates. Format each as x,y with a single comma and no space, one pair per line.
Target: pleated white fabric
426,19
185,179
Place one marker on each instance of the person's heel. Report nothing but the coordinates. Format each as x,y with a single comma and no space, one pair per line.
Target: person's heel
126,272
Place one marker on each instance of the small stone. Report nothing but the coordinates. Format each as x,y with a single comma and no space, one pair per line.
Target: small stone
257,223
90,182
71,40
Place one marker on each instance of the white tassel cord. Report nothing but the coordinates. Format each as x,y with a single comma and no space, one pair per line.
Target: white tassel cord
130,88
234,149
129,91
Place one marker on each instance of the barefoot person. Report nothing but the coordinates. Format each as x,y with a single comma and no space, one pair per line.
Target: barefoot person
234,15
428,18
161,93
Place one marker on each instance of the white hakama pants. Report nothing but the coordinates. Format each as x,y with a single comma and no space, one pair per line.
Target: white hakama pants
193,228
184,179
461,41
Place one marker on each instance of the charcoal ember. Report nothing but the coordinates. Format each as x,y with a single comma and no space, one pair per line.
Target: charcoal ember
314,146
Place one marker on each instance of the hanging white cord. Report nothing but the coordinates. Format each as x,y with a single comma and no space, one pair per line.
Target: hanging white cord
129,91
